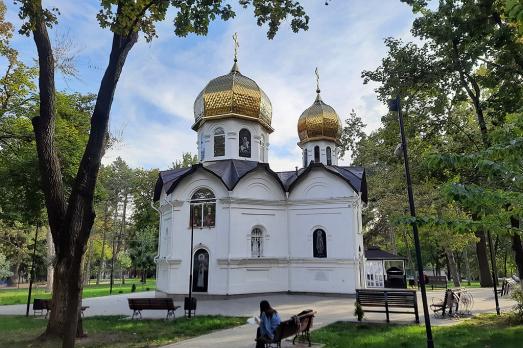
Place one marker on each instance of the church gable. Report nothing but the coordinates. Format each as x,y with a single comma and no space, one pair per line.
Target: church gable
259,184
320,184
199,179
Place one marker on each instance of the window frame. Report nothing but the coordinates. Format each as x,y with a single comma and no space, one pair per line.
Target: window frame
201,205
218,133
317,156
257,235
315,254
328,153
241,134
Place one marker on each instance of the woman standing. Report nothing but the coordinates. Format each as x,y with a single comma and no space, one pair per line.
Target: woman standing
269,321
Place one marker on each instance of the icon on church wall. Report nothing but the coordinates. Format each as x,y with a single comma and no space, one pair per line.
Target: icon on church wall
245,143
209,210
319,243
200,271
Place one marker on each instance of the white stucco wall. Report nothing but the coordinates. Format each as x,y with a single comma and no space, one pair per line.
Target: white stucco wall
320,200
232,128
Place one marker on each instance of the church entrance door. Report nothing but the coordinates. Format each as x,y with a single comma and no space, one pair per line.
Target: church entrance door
200,273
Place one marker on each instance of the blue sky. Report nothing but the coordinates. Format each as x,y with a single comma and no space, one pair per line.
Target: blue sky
152,109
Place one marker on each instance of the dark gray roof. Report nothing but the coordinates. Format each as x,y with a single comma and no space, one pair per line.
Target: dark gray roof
231,171
375,253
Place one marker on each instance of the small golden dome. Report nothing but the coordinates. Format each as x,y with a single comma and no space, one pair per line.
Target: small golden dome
233,96
319,122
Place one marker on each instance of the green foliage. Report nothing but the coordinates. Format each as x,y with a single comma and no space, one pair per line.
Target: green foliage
194,16
187,160
514,11
352,133
4,267
517,295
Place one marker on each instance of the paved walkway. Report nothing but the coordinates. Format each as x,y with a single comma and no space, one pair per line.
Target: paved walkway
329,309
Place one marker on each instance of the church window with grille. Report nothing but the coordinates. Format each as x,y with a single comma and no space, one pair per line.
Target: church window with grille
219,142
317,154
329,156
203,208
256,242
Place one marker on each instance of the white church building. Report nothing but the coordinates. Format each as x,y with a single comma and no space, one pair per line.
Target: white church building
256,230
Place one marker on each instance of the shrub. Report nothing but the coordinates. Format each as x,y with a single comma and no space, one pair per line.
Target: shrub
133,288
517,295
358,311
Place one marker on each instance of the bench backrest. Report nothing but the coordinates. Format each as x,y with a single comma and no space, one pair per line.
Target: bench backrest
286,329
380,298
40,304
305,318
437,279
151,303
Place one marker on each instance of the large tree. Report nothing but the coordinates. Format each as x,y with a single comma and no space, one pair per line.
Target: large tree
71,214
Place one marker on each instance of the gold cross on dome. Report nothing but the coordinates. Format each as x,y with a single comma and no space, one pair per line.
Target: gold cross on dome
236,45
317,80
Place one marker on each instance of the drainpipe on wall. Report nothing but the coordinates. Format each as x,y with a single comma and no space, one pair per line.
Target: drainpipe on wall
159,232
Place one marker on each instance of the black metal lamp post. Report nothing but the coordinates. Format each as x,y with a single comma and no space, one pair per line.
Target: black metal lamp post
394,105
494,272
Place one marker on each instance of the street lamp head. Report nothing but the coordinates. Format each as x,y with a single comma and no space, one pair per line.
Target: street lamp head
394,104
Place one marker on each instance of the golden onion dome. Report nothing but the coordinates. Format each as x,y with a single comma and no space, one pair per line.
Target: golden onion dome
319,122
233,96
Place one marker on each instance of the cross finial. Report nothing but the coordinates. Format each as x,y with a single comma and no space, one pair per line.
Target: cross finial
317,80
236,45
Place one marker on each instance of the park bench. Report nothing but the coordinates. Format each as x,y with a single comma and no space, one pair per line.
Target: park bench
137,305
388,299
437,282
298,326
42,305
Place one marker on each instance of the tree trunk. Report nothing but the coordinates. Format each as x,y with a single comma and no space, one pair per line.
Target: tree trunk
467,265
106,224
87,273
452,268
50,259
485,278
518,250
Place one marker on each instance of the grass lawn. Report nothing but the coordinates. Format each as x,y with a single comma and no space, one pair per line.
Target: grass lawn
482,331
18,296
114,331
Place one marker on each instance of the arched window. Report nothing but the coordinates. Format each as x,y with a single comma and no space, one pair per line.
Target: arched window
329,156
305,158
319,243
317,154
219,142
256,242
244,143
203,208
262,148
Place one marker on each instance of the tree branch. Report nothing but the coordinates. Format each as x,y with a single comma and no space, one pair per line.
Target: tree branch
44,128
